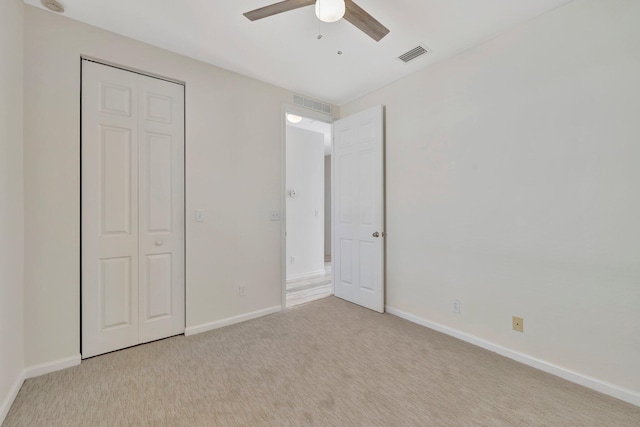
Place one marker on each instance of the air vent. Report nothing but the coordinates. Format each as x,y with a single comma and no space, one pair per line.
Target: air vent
413,54
311,104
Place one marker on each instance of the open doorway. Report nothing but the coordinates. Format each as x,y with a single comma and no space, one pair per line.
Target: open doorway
308,209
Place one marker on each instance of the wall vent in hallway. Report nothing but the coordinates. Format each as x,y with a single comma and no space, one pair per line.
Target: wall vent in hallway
312,104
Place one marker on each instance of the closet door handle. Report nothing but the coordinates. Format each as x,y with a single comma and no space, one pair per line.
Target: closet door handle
159,242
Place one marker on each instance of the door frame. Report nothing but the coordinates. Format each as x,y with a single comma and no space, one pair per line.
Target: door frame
184,181
304,112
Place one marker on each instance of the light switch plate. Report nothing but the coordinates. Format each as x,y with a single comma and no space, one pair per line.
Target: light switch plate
199,215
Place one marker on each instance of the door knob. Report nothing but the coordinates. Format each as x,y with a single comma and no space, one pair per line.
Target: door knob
159,242
376,234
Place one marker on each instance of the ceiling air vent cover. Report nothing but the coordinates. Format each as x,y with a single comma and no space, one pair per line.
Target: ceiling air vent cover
413,54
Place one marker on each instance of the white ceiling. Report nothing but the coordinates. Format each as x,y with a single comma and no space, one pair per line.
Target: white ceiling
284,49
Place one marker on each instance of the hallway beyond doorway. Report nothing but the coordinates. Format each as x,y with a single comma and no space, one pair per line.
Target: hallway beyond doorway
309,289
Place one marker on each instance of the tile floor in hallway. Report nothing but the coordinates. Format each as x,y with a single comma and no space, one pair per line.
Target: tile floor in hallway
311,288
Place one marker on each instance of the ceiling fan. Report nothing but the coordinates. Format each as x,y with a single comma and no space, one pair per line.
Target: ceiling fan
327,11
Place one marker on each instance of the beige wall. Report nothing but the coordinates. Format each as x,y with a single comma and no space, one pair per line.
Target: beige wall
513,186
11,200
233,173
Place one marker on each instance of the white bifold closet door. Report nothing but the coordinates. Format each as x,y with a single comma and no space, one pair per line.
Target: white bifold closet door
132,209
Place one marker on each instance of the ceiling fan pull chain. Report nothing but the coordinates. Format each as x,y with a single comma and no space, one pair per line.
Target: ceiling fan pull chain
341,40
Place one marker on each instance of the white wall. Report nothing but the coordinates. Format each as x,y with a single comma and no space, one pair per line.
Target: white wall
305,212
233,173
11,202
513,185
327,205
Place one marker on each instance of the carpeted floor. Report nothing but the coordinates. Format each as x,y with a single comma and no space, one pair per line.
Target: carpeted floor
326,363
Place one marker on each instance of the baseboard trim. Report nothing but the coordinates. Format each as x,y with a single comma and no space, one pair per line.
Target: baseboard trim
53,366
205,327
35,371
11,397
604,387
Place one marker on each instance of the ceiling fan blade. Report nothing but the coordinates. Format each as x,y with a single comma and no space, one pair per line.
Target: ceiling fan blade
365,22
276,8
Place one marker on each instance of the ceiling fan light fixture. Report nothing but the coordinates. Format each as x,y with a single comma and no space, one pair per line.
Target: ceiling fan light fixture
330,10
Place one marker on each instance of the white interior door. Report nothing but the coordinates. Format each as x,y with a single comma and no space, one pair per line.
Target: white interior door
358,241
132,209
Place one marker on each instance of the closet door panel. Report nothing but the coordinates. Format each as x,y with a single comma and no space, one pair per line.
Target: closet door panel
162,225
109,209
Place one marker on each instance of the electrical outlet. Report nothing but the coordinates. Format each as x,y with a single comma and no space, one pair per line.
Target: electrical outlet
242,290
518,323
292,260
456,306
275,216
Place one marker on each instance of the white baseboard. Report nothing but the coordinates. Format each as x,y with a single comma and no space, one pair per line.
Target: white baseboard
31,372
55,365
307,275
613,390
11,397
193,330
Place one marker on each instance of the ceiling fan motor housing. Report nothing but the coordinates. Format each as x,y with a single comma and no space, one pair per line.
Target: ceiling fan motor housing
330,10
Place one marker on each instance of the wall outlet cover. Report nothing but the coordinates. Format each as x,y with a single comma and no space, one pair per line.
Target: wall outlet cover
518,324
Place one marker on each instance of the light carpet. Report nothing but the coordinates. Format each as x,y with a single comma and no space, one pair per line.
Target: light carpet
326,363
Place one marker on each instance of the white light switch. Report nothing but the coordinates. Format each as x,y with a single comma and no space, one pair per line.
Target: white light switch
275,215
199,215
